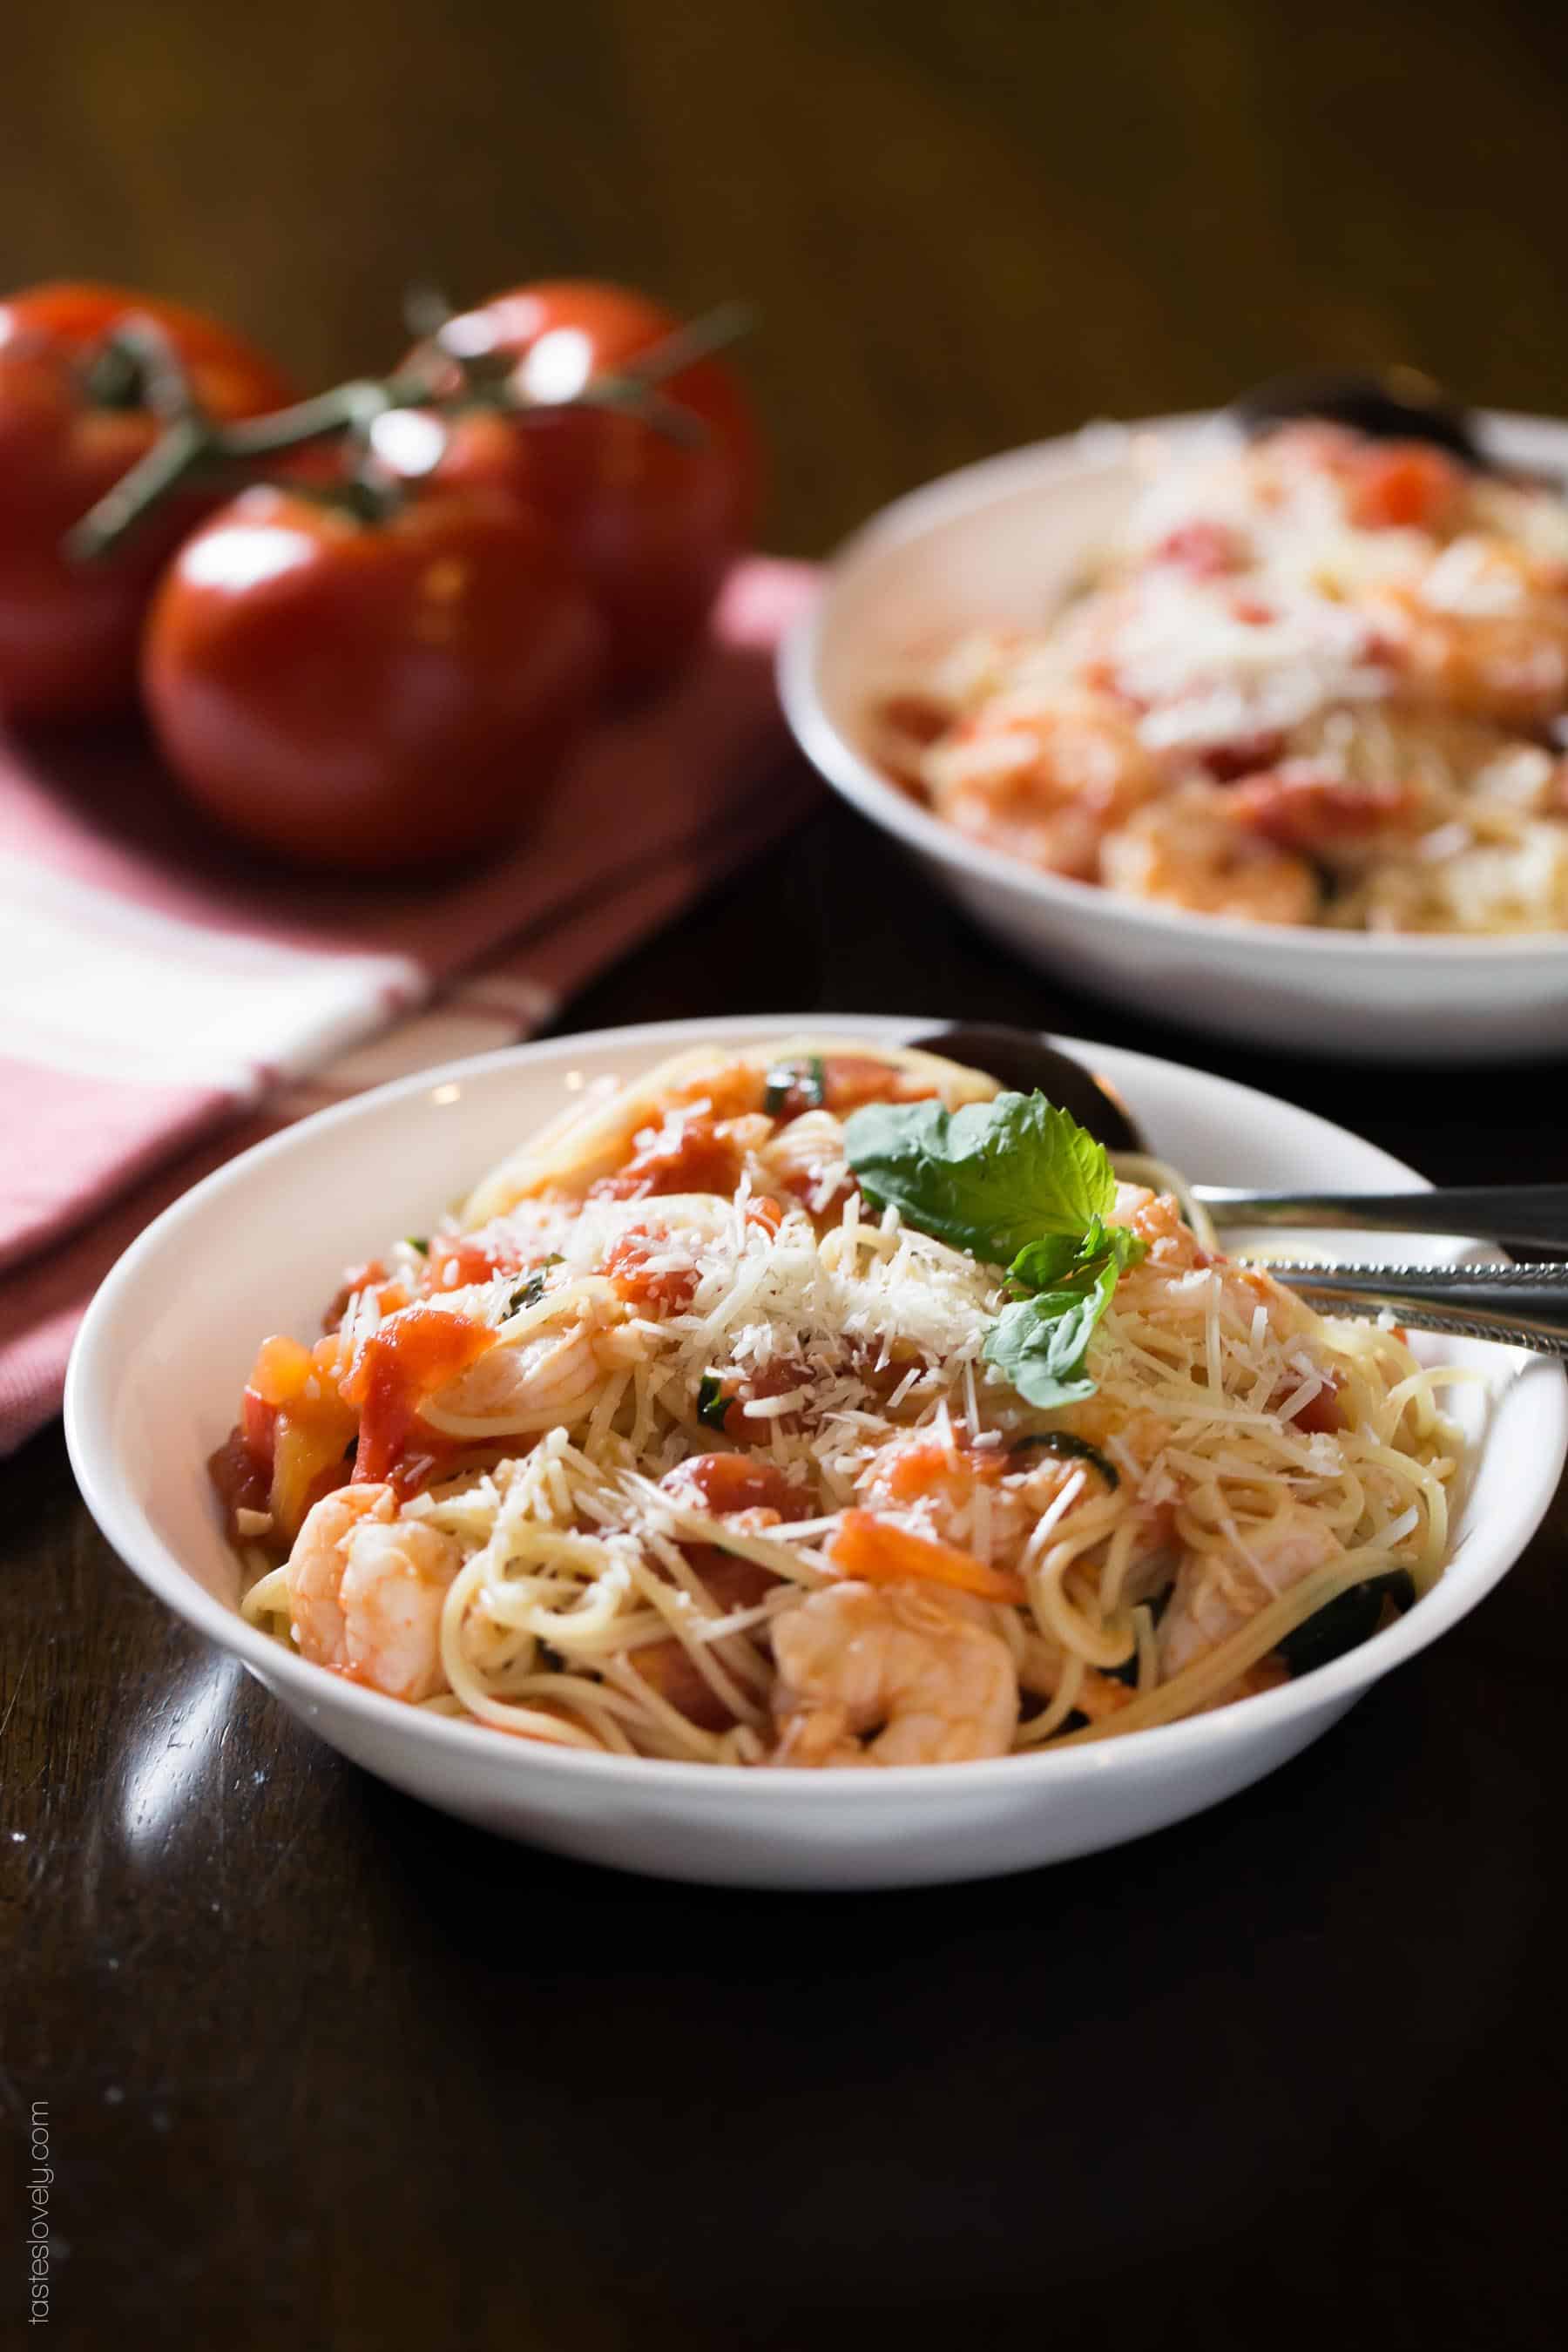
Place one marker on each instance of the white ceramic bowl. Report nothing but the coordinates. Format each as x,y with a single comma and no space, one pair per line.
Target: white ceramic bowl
1004,542
166,1345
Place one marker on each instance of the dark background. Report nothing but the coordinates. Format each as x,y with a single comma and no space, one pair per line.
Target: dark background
321,2064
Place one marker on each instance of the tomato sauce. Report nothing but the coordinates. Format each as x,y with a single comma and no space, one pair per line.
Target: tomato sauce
409,1357
694,1157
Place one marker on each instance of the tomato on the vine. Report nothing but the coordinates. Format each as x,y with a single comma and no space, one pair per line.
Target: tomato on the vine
74,417
370,696
651,523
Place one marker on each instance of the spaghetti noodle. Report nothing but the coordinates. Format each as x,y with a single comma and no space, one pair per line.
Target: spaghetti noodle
671,1443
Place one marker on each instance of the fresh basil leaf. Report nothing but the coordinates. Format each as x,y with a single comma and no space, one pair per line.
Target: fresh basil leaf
1055,1265
712,1403
991,1179
1041,1344
418,1242
1040,1266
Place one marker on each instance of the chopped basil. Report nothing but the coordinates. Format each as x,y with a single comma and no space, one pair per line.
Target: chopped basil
1344,1622
530,1293
419,1242
807,1078
1074,1449
712,1402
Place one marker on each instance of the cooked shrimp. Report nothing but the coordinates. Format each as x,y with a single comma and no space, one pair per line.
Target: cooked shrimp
1484,631
1163,1283
979,1498
1189,851
1217,1592
544,1375
900,1673
1044,782
366,1589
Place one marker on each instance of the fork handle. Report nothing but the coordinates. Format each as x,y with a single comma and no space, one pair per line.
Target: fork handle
1494,1213
1518,1305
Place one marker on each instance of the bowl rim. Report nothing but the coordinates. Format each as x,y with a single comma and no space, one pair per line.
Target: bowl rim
991,481
112,1499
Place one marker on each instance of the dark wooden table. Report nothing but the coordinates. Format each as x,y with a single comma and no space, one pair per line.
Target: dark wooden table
321,2067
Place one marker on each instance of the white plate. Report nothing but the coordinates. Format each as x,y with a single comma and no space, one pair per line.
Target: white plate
168,1340
1004,542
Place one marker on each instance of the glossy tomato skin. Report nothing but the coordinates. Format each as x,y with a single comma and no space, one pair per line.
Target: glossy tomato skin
651,526
68,632
370,697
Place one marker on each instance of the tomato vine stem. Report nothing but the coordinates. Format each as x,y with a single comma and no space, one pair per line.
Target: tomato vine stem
192,447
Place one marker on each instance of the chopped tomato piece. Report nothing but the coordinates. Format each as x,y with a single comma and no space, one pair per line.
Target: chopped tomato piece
1300,806
358,1278
918,717
731,1584
877,1552
667,1290
692,1156
454,1261
258,1430
410,1356
727,1092
1206,549
1322,1415
282,1371
1244,755
755,1428
1405,485
242,1484
765,1213
916,1469
666,1668
721,1483
295,1424
842,1082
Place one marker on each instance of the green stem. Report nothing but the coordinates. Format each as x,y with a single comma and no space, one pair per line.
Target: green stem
698,340
192,445
349,407
186,448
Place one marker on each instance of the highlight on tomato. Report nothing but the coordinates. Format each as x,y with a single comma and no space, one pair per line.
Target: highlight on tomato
88,376
367,688
650,516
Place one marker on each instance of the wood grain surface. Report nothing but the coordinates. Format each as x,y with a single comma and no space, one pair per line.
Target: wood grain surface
324,2069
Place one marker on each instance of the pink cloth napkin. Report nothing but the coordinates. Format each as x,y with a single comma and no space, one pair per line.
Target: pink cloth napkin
165,1003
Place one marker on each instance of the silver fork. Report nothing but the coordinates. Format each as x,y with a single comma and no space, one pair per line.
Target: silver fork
1518,1305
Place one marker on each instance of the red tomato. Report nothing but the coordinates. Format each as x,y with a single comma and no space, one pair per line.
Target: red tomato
369,696
1405,485
651,526
68,632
